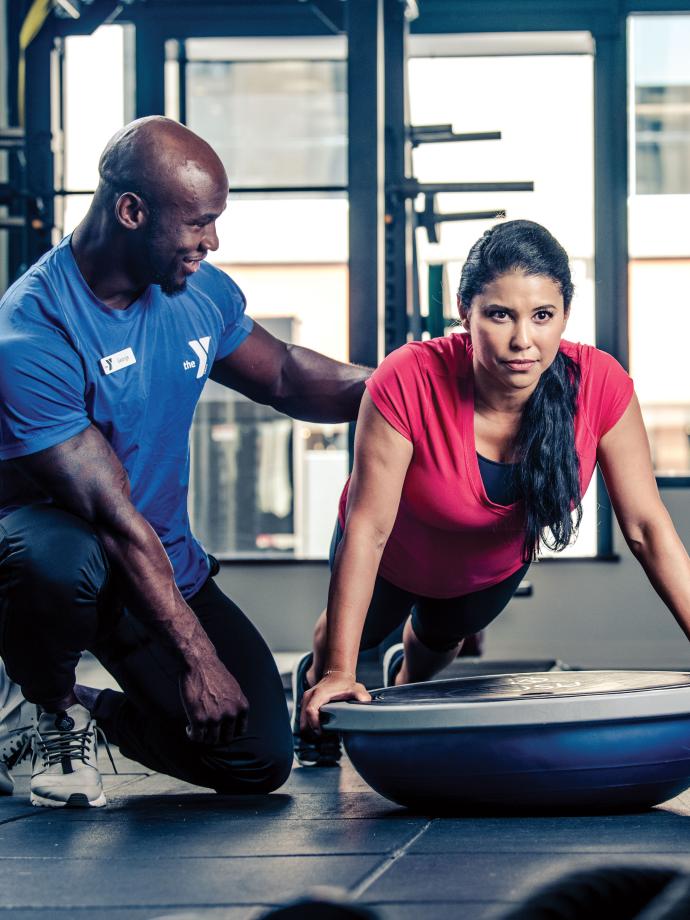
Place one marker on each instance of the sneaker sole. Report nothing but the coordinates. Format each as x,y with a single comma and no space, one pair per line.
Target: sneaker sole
76,800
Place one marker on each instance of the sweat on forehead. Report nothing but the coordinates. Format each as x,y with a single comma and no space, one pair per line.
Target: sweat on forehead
158,155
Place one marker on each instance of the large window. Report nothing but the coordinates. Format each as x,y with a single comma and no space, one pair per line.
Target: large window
542,102
274,122
659,228
661,100
275,110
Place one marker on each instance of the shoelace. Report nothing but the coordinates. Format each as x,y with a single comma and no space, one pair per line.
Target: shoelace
58,745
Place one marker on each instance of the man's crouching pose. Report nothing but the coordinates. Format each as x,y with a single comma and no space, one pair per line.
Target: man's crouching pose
105,345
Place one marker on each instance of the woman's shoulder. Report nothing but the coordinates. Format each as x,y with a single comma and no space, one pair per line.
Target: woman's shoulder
605,386
592,361
447,355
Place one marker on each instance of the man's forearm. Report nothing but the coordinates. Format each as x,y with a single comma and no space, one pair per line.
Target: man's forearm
318,389
147,578
83,476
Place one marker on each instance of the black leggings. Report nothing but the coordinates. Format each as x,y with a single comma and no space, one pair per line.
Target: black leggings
57,598
439,623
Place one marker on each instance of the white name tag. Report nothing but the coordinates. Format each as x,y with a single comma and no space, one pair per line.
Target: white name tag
116,362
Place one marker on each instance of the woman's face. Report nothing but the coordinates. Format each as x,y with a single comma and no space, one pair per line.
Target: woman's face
516,324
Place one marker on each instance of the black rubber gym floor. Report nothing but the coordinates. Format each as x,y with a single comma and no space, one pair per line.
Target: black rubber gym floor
164,849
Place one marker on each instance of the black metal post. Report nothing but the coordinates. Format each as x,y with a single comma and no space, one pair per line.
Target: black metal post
611,192
399,313
40,178
365,176
149,70
611,220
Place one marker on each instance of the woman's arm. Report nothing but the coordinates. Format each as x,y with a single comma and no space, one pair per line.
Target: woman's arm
626,464
382,457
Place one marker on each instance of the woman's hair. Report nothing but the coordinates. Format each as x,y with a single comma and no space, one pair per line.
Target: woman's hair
547,471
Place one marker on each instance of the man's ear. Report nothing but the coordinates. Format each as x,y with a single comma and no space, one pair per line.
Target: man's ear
131,211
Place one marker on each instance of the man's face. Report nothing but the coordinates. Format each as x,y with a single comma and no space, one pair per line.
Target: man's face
182,229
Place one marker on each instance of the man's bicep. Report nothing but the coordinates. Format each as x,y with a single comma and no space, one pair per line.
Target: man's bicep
254,367
82,475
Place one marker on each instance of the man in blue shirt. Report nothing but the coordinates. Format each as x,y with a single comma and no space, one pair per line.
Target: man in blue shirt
105,345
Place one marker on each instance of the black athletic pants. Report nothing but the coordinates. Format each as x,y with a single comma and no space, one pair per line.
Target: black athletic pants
58,598
439,623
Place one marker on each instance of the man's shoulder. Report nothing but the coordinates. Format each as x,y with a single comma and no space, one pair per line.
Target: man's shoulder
212,280
35,292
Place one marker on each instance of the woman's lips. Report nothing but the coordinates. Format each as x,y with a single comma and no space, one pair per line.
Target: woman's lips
520,365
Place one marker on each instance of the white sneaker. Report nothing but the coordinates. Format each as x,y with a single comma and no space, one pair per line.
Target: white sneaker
18,719
64,765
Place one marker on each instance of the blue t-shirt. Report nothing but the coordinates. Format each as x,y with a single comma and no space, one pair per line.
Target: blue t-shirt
68,361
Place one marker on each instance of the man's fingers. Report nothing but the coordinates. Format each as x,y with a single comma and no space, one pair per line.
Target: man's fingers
231,729
242,724
195,732
221,727
212,734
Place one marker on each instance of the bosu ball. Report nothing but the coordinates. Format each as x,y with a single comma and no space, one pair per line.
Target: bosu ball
601,739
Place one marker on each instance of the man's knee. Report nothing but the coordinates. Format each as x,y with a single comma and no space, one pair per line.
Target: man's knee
264,771
55,555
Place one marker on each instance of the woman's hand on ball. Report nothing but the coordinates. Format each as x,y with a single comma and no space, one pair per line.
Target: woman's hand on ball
333,687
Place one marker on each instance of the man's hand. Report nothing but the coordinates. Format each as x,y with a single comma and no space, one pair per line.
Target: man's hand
215,705
334,687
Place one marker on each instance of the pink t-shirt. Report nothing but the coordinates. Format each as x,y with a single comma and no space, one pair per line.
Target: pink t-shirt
448,538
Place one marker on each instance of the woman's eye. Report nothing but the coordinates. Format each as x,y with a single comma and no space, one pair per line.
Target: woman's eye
543,315
498,314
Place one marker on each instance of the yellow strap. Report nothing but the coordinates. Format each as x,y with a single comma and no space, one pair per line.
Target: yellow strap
32,25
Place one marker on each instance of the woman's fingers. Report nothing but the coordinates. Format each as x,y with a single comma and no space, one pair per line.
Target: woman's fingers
356,692
329,690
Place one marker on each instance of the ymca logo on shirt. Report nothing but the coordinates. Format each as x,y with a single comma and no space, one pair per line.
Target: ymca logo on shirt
117,361
200,348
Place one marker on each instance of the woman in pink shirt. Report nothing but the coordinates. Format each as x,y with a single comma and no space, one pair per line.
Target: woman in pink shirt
472,450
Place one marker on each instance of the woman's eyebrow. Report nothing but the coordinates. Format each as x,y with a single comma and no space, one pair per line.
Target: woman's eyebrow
500,306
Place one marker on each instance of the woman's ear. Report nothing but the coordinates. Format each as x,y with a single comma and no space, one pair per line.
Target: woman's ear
464,317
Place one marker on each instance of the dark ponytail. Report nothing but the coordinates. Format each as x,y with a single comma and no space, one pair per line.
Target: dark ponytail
547,472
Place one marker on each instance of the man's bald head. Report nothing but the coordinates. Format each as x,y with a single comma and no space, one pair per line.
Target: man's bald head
162,189
158,159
